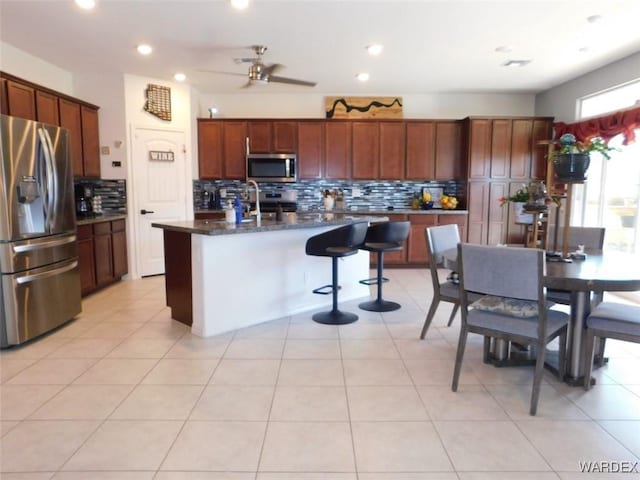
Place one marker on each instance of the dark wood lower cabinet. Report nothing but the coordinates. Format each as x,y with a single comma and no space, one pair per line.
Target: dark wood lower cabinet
102,254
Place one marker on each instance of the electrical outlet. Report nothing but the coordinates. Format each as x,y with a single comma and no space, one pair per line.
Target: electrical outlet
356,192
105,150
223,193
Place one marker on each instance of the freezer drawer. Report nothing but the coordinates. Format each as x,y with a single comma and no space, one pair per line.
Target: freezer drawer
37,252
38,300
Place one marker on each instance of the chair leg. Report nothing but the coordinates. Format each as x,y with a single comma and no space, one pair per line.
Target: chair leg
486,350
587,359
462,342
453,314
537,378
430,315
562,355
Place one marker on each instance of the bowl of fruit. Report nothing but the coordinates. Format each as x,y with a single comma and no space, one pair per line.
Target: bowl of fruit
448,202
425,201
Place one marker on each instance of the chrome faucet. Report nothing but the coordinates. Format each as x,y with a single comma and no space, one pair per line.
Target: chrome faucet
255,212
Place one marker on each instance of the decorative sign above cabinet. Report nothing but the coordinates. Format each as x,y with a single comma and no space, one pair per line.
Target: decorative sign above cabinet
158,101
363,107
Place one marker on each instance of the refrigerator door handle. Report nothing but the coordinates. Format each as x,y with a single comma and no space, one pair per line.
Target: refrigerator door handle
50,273
42,246
51,189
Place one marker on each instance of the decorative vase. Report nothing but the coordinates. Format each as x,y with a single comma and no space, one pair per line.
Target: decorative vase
329,202
571,166
520,216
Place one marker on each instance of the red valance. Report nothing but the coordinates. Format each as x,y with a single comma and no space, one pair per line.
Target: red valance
623,122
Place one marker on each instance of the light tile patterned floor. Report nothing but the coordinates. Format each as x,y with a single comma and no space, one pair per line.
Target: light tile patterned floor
124,392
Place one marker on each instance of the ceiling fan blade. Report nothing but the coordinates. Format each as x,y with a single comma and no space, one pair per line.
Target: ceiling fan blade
245,60
222,73
248,84
291,81
268,70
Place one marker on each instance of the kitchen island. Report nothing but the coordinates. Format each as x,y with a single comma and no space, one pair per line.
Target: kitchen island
220,277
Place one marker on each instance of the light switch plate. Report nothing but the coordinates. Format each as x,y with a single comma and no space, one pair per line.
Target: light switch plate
105,150
356,192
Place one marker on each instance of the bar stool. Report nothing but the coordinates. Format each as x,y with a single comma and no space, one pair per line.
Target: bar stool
383,237
336,243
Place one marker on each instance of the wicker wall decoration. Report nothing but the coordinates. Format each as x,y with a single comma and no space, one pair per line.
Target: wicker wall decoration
363,107
158,101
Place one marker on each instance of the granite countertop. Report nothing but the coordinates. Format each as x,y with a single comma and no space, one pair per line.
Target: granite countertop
268,224
100,219
366,211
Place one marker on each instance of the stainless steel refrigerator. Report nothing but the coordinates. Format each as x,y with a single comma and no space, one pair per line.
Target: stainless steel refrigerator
40,279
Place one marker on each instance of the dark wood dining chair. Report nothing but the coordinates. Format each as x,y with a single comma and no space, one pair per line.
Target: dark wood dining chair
513,306
609,320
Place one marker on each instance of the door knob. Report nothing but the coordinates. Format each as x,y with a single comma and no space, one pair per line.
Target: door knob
144,212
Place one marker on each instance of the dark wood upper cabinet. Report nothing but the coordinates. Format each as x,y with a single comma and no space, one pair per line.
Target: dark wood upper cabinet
448,156
21,100
259,133
234,149
365,151
337,149
500,148
521,148
209,149
420,151
47,108
479,149
310,149
4,102
90,142
71,118
284,136
392,150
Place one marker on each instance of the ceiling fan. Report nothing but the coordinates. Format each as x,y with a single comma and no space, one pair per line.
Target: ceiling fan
259,72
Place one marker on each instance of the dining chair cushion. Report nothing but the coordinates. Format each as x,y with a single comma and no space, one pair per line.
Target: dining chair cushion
615,317
512,307
526,327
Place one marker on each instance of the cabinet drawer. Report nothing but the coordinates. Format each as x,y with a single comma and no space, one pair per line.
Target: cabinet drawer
118,226
84,231
423,219
102,228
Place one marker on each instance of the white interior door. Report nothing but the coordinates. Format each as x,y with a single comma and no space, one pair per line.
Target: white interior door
159,190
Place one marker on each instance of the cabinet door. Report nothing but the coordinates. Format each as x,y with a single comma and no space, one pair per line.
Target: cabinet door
284,137
209,149
21,100
103,256
234,148
478,207
500,148
86,260
4,103
71,119
521,148
310,149
420,163
47,108
90,142
417,248
448,161
337,149
542,130
392,150
119,244
497,227
259,133
366,151
479,149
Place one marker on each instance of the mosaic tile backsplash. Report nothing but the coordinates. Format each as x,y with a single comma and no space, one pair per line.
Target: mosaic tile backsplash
113,193
373,195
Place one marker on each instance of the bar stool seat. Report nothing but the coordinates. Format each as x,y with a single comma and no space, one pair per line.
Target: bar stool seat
337,243
383,237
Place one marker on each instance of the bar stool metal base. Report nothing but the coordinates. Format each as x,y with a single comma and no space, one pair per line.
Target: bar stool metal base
334,317
379,306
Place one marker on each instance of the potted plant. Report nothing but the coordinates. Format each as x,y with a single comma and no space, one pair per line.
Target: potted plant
572,159
519,199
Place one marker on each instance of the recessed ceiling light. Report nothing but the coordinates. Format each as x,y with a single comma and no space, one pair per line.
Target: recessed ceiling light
86,4
594,18
584,49
180,77
144,49
516,63
375,49
363,76
239,4
504,49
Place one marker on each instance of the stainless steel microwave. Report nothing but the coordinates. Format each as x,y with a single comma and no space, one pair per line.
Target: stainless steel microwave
272,167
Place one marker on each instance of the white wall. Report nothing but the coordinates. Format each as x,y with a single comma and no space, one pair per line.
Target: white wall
33,69
561,101
311,105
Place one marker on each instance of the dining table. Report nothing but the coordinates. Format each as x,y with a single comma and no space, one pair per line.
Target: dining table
595,271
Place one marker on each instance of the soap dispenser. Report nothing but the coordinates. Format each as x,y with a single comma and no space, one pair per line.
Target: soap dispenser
230,213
